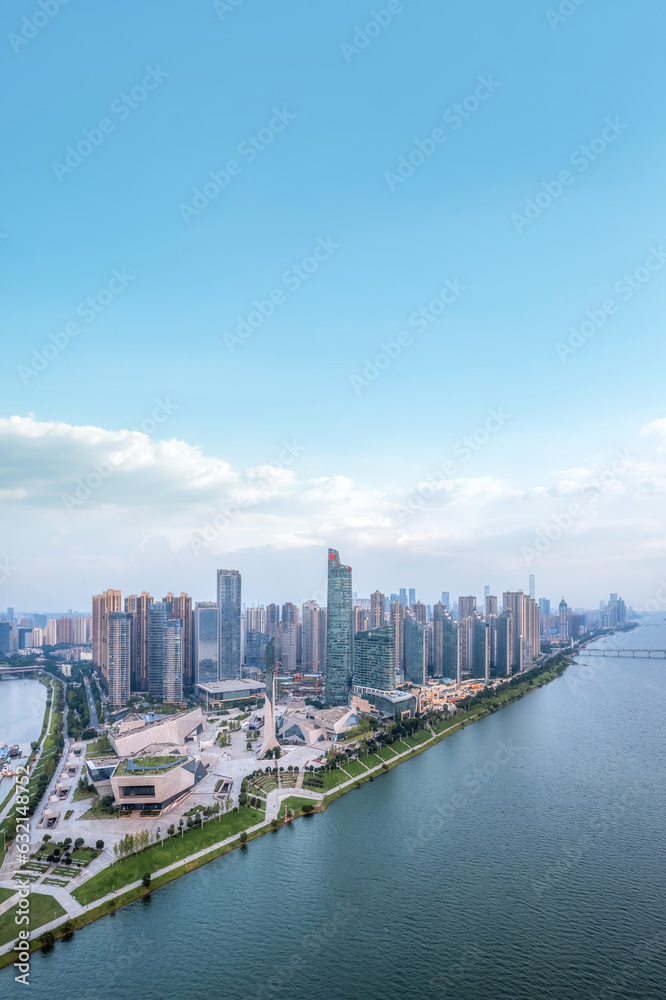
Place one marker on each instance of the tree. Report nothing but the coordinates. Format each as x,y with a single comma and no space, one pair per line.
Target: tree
78,843
243,837
274,824
46,838
99,844
146,879
47,939
171,830
307,808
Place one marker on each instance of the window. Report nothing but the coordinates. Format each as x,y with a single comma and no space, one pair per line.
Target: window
136,790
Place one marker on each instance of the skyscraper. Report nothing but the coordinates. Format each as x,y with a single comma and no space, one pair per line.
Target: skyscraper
564,619
491,605
181,607
526,627
532,586
158,614
314,637
103,605
119,653
290,626
416,650
544,606
466,605
137,605
481,648
501,644
174,654
206,642
360,619
397,620
270,738
446,600
5,637
374,659
412,596
377,602
229,604
339,631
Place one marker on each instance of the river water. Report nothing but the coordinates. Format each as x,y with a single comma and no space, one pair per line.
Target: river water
22,702
520,858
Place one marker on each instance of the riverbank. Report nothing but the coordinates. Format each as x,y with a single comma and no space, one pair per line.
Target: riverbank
89,912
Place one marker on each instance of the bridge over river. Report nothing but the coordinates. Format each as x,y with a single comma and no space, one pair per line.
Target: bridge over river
658,653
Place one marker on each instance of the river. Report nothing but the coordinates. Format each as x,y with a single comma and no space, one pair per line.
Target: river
22,703
523,857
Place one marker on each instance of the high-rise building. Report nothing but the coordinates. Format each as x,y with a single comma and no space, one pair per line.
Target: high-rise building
377,603
290,627
412,596
564,619
229,603
339,631
397,621
314,637
466,607
137,605
402,596
486,592
206,642
491,605
181,607
481,648
616,612
10,614
174,655
526,627
360,619
6,636
374,659
544,606
416,650
270,737
501,644
119,653
104,604
159,612
532,586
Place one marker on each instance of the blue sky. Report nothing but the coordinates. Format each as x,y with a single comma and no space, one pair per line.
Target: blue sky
347,117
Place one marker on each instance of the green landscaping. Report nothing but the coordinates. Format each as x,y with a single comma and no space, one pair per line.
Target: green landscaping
323,781
80,793
6,893
354,769
159,856
100,748
295,803
42,910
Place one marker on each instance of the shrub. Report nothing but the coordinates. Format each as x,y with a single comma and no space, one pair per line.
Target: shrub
99,844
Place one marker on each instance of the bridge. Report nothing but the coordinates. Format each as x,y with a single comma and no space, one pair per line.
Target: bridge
659,653
6,669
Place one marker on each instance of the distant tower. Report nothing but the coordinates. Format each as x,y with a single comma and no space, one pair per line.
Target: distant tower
564,619
339,631
532,586
270,739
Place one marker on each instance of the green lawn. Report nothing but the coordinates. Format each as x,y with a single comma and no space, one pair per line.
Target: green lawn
100,748
370,760
159,856
42,910
385,753
400,747
422,736
78,794
331,780
295,803
6,893
354,769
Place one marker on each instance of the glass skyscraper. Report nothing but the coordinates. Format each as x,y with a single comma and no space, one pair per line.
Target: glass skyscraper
206,642
339,631
229,604
374,659
416,650
120,655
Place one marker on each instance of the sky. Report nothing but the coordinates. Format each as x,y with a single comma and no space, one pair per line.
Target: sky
387,278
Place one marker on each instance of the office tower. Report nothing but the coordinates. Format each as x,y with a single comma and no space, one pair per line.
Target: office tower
339,631
480,648
290,626
420,612
119,653
491,605
402,597
486,592
255,619
206,642
158,614
313,658
564,619
375,659
255,649
446,600
137,605
397,621
377,604
6,636
466,606
532,586
439,613
501,644
544,605
104,604
181,607
360,620
416,650
174,655
10,614
616,612
412,596
229,603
